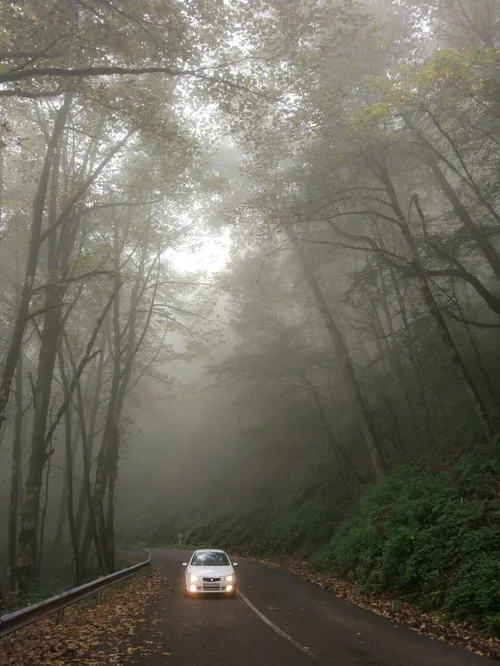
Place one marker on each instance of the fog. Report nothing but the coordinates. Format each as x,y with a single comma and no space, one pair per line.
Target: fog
239,289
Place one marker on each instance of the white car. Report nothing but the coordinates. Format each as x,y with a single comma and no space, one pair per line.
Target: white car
210,572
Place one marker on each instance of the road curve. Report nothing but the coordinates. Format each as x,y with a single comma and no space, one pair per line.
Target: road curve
278,620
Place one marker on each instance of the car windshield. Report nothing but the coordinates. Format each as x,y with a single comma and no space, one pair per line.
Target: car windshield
210,559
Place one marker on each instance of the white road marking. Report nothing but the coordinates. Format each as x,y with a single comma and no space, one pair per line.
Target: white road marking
279,631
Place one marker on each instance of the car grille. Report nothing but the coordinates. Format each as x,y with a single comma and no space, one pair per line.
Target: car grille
211,580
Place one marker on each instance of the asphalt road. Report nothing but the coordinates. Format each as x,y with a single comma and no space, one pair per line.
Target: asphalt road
278,620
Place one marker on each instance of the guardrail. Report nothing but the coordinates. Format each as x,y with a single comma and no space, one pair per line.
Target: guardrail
11,622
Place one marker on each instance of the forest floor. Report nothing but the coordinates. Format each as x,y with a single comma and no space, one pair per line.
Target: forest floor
90,635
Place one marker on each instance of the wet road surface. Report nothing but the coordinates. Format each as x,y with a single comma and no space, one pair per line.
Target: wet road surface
278,619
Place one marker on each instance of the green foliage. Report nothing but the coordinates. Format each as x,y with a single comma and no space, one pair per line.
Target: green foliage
431,537
428,533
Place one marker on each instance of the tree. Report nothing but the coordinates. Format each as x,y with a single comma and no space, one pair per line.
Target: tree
55,47
383,141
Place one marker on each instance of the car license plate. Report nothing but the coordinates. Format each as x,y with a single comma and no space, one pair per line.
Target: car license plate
211,585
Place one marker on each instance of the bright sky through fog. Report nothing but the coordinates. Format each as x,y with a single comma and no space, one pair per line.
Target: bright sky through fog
207,255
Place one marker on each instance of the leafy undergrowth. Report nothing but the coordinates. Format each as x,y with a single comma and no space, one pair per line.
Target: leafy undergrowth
430,537
421,546
90,635
432,624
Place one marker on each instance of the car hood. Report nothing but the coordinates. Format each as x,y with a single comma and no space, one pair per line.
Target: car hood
210,572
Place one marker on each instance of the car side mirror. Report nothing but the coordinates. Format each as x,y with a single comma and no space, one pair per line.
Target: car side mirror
235,564
184,564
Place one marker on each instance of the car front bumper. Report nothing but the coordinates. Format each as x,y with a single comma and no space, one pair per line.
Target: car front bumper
200,588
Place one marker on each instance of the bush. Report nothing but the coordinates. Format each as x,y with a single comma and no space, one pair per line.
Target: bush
432,539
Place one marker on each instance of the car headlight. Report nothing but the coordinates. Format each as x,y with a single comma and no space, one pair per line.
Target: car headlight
230,578
193,578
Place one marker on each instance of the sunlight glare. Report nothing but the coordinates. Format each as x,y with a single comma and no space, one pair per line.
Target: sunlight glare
206,255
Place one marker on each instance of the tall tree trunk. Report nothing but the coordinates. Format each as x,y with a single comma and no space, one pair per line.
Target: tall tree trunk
75,382
480,238
101,474
477,353
470,386
102,464
15,478
107,461
115,435
382,173
110,433
371,437
43,516
110,515
21,319
61,234
342,458
28,536
427,427
27,569
423,388
468,381
2,149
85,499
75,549
386,350
61,518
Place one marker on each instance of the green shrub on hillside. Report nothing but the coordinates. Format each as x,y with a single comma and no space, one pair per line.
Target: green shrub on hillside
432,538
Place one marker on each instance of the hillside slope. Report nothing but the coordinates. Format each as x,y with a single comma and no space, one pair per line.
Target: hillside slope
428,533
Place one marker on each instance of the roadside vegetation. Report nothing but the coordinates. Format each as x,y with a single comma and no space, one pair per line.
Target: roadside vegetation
427,534
332,393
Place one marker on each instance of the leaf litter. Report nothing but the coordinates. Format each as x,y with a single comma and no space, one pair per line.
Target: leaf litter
89,636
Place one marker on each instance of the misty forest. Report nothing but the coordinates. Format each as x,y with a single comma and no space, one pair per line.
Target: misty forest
250,290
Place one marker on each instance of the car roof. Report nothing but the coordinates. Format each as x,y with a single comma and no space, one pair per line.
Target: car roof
210,550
